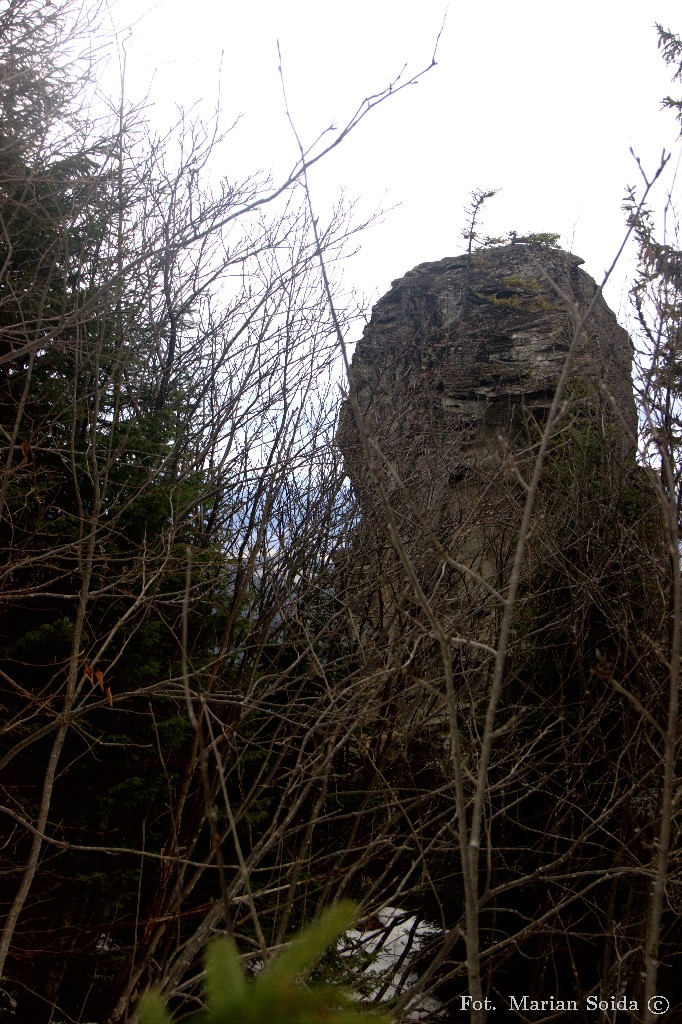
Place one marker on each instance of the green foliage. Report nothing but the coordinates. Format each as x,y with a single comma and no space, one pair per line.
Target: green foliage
657,298
50,641
547,238
478,198
670,45
278,994
550,239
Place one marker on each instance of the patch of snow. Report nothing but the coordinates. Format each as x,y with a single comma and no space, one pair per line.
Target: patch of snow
9,1008
387,946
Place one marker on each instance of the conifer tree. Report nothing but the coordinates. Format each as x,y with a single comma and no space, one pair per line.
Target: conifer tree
165,447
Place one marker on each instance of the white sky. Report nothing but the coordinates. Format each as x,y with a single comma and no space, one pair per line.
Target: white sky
541,100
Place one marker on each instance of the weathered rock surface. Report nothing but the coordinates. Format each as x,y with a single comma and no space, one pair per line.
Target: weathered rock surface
457,351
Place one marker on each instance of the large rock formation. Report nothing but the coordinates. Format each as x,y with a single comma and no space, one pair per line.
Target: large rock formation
459,352
451,383
450,389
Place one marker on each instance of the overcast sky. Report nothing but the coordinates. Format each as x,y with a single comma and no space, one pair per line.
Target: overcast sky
540,100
